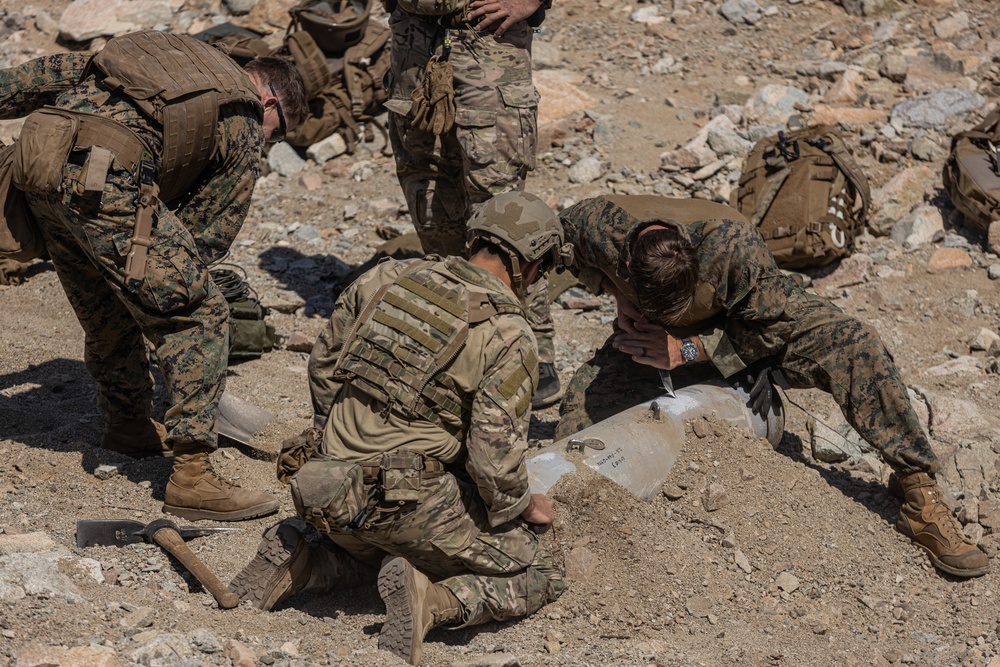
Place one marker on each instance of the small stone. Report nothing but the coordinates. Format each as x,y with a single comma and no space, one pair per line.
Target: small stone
284,160
974,532
787,582
311,180
993,272
672,492
581,563
699,606
140,617
993,237
299,342
985,340
701,427
326,149
239,653
949,258
107,471
715,497
728,541
587,170
742,561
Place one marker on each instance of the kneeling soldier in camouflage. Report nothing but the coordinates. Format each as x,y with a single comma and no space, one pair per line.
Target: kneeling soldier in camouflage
421,389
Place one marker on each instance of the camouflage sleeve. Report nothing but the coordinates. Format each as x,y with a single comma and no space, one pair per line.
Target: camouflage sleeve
215,209
498,435
38,82
597,235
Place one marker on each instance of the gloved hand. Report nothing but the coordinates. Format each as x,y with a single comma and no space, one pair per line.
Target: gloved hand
434,99
758,381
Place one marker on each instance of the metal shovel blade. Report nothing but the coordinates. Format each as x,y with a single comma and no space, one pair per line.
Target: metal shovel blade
239,420
122,532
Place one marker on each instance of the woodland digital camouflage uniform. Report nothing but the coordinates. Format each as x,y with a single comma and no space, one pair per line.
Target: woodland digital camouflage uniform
177,308
465,527
490,150
745,311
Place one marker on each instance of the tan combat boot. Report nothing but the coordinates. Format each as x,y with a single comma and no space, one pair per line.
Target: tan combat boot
195,491
291,559
139,437
413,605
926,520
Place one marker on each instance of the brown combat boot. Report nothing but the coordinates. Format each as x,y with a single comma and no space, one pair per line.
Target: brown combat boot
926,520
413,605
139,437
195,491
291,559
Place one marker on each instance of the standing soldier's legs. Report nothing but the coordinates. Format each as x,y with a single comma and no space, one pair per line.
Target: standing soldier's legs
180,311
846,358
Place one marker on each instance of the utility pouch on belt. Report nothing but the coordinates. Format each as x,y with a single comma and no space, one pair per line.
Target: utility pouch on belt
47,137
296,452
329,494
20,239
401,476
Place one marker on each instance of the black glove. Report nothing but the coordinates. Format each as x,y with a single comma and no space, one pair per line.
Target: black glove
758,381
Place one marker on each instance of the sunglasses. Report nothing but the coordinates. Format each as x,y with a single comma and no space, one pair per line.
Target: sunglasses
278,134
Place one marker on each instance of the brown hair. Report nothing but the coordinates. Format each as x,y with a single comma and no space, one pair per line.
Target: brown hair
280,74
664,273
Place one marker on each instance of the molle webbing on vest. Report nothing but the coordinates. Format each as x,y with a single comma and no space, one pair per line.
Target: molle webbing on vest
404,337
125,144
180,83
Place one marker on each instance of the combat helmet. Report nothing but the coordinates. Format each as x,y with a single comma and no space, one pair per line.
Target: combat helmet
525,227
334,25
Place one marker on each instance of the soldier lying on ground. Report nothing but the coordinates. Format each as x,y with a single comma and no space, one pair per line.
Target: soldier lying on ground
695,282
134,196
421,390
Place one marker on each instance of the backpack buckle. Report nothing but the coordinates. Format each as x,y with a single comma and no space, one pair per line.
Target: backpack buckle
789,150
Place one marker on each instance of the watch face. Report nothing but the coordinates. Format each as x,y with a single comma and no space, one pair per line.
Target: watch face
689,351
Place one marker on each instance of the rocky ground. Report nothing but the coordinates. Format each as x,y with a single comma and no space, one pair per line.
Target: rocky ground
752,556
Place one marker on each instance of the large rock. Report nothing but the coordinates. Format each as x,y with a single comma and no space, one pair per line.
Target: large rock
741,11
36,575
823,114
774,104
919,227
284,160
896,199
560,95
845,89
952,26
84,20
935,109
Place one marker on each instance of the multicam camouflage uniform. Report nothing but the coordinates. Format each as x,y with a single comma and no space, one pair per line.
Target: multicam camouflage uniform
490,150
745,311
465,527
177,308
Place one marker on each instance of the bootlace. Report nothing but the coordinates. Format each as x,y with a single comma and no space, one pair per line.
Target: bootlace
944,518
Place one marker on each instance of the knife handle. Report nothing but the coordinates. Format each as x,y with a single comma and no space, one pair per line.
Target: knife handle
170,539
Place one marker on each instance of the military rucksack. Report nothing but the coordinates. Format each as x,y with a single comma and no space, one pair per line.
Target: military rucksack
249,335
805,194
972,172
344,87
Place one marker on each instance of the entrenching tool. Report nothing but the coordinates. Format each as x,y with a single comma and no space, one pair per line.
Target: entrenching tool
164,532
239,420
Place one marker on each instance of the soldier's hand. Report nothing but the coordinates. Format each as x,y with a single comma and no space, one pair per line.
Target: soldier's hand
539,510
508,11
650,345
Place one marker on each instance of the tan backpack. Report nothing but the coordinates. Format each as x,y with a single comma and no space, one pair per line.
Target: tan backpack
972,172
805,194
345,89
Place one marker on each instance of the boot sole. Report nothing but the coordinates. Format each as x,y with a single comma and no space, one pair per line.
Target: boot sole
944,567
395,586
192,514
548,402
266,579
958,572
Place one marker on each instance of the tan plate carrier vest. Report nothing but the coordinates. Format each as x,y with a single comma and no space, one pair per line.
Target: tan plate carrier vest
179,82
407,333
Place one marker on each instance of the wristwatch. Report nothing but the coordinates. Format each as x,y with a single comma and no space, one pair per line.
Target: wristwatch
689,351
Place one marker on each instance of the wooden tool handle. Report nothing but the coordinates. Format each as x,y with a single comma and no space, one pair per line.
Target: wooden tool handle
170,539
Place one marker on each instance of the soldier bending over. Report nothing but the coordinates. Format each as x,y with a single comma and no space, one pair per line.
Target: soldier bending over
695,282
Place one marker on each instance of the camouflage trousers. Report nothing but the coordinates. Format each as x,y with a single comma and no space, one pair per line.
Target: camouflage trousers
177,308
826,349
497,573
489,151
